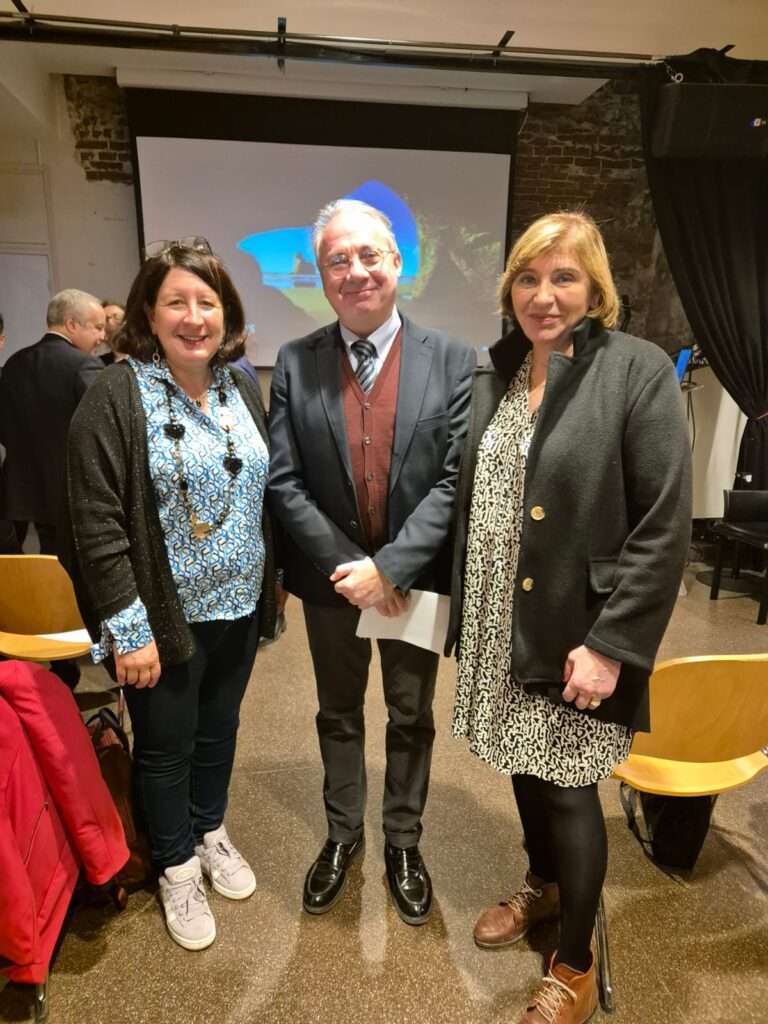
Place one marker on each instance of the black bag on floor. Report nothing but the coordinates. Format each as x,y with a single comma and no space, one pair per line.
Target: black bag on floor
114,753
675,826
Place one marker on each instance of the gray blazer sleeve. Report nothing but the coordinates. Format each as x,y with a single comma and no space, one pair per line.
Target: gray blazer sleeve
657,467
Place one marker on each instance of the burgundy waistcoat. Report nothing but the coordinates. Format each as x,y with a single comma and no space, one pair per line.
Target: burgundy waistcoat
370,419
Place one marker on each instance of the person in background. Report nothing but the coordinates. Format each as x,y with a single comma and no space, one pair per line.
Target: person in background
114,313
170,552
573,521
9,542
367,420
40,389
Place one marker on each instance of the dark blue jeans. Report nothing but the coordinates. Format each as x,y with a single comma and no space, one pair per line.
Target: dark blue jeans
185,730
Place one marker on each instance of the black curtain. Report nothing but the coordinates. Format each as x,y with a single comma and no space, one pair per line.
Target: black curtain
713,222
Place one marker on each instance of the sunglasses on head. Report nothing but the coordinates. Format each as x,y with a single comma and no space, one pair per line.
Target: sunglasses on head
166,245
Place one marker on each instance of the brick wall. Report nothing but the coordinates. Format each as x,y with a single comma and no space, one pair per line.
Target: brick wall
96,108
589,157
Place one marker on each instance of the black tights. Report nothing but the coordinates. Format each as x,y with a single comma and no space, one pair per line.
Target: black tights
566,841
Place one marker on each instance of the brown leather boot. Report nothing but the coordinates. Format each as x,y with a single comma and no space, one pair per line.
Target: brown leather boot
563,997
509,920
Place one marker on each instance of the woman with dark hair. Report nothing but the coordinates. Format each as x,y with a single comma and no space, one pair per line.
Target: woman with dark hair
171,556
573,522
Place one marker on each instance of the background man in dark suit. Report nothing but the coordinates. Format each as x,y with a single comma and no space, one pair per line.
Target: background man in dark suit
9,544
366,439
40,389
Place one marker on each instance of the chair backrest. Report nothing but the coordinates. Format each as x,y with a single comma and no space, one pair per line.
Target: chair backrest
712,708
745,506
36,596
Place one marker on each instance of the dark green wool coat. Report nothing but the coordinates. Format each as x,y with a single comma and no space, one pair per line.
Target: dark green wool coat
609,465
111,541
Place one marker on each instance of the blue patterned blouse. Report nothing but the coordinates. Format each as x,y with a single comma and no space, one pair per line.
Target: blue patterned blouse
218,576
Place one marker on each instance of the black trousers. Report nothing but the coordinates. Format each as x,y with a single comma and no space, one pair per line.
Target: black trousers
341,661
185,731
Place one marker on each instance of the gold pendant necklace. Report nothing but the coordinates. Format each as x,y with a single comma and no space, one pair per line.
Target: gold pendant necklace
200,529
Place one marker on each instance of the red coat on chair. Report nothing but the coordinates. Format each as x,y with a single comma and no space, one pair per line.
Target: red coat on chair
56,814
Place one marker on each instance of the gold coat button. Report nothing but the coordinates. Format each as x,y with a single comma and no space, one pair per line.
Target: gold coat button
527,583
537,513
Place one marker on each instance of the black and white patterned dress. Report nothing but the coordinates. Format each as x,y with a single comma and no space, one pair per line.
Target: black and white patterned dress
514,731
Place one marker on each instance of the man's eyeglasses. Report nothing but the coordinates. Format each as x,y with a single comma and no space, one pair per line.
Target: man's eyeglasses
339,265
166,245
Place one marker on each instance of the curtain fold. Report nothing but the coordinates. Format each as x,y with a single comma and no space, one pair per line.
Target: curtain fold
712,217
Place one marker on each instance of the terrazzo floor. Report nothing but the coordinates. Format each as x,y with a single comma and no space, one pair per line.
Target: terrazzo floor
684,951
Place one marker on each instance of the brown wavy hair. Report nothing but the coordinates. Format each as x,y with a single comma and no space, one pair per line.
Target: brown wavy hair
135,337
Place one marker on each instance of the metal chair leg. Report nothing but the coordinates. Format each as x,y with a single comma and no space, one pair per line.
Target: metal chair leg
715,588
604,983
736,560
41,1002
762,614
121,706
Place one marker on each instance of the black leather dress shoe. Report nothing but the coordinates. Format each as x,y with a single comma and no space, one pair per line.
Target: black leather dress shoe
409,883
327,877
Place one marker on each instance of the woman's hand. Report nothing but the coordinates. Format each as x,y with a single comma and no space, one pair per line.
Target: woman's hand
138,668
589,677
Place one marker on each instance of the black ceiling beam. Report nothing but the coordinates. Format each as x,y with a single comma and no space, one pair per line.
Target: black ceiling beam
233,42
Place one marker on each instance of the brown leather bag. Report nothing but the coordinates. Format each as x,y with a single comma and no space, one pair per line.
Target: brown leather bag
114,753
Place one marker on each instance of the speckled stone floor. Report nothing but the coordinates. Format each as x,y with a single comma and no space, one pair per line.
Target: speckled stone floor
683,951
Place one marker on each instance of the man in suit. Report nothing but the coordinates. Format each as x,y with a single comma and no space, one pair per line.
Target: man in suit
9,543
367,420
40,389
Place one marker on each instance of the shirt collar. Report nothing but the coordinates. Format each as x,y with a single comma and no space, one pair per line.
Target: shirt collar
378,338
58,334
221,376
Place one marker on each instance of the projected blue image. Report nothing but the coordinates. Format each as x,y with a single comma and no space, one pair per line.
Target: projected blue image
285,259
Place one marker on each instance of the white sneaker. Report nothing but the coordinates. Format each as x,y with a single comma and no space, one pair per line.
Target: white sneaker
187,914
228,871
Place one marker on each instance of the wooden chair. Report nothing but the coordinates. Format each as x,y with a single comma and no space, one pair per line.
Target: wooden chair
37,599
709,721
745,521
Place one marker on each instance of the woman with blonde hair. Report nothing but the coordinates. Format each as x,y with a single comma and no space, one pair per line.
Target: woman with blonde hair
573,521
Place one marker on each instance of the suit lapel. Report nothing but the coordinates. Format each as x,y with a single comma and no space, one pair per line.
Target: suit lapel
327,354
415,363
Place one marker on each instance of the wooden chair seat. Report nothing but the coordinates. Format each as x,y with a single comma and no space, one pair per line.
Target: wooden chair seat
37,599
689,778
709,734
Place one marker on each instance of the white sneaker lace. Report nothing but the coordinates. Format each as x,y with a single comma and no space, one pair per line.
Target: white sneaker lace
225,858
551,996
188,899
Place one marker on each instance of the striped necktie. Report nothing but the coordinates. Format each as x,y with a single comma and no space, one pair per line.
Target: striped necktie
365,371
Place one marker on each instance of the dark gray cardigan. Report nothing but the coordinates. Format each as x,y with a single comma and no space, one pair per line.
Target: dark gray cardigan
609,465
111,542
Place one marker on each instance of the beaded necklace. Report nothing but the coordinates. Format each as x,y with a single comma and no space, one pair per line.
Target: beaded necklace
231,461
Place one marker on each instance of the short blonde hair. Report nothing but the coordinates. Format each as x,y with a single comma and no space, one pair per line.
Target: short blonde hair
576,233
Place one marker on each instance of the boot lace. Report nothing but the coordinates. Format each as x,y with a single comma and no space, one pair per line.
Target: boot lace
551,997
523,898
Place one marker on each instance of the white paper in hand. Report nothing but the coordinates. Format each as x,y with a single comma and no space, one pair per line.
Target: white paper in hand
424,623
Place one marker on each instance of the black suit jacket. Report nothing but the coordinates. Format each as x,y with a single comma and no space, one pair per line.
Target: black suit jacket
40,389
311,491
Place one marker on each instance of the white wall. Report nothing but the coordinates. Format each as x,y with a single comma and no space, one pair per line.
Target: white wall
87,228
